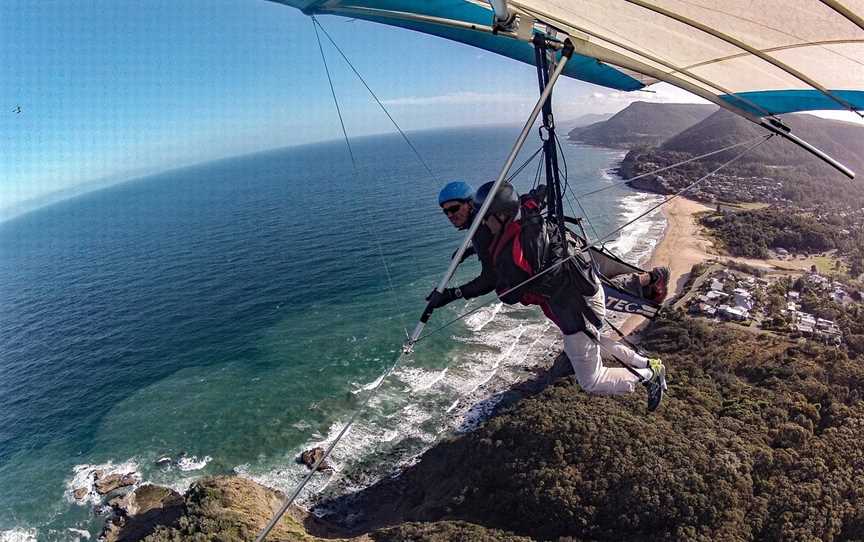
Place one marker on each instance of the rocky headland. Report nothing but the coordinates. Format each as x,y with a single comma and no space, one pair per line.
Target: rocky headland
758,439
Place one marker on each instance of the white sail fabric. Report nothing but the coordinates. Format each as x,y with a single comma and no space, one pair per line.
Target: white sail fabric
729,44
756,57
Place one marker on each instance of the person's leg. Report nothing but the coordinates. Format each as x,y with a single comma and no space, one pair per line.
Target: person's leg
592,375
622,352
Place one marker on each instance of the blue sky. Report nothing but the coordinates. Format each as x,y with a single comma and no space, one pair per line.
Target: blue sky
112,89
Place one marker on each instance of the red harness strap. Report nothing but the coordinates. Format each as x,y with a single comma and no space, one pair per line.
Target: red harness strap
512,231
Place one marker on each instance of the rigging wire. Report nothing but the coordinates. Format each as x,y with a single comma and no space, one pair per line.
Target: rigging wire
353,159
317,23
290,500
597,242
524,165
398,359
617,184
374,391
567,188
335,101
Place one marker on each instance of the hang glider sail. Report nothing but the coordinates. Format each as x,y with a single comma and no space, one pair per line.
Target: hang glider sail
757,59
764,58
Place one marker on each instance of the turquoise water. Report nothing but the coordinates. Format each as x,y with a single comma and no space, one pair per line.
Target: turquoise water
229,315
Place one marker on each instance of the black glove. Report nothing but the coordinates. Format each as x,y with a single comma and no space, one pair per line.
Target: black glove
438,299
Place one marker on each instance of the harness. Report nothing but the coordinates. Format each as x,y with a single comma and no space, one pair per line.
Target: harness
512,231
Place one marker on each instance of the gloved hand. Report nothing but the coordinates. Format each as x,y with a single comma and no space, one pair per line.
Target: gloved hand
438,299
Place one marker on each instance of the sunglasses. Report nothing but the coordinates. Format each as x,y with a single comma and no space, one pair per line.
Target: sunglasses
453,209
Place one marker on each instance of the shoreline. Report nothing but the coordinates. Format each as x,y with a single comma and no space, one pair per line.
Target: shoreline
681,246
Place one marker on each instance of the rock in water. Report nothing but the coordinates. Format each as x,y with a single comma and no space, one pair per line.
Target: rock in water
107,484
310,457
81,493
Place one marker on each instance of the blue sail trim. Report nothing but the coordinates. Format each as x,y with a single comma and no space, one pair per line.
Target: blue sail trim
579,67
790,101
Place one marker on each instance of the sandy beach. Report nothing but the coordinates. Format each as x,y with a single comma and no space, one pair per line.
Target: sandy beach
681,248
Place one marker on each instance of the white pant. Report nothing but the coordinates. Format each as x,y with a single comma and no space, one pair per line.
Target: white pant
592,375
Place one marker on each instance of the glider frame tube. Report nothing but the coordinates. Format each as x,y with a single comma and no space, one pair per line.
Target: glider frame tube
478,218
416,17
587,48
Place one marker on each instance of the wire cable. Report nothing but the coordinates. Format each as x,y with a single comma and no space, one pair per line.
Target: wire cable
288,502
381,105
617,184
595,243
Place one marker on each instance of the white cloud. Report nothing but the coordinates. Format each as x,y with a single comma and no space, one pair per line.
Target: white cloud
660,93
460,98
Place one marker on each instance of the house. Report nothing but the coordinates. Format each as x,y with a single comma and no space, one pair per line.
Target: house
742,298
737,314
703,308
804,328
715,295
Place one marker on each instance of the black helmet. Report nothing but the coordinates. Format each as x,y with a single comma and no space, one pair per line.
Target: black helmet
506,199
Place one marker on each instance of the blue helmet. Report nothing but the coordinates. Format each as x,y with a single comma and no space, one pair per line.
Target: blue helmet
456,190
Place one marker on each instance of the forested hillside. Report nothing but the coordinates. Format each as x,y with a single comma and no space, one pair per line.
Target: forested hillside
759,440
641,124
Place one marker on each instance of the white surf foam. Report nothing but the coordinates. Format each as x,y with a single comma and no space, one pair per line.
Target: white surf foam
367,387
411,411
478,320
19,535
193,463
636,242
84,476
419,380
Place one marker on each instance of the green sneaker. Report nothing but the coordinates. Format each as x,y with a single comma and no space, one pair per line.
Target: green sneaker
655,385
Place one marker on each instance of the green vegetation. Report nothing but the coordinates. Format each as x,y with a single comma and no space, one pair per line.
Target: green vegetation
229,509
752,233
443,531
759,440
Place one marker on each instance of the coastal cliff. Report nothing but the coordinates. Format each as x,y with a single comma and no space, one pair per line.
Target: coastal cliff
758,440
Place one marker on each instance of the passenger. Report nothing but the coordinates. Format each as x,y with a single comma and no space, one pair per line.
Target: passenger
524,247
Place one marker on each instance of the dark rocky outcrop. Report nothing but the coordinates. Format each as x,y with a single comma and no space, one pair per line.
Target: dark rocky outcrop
138,513
312,456
105,484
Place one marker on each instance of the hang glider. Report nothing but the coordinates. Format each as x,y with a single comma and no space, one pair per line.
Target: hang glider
757,59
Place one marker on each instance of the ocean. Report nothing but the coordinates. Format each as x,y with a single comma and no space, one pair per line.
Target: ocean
222,318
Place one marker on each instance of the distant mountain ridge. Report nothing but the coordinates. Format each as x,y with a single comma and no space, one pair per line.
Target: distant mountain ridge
642,124
590,118
776,171
841,140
